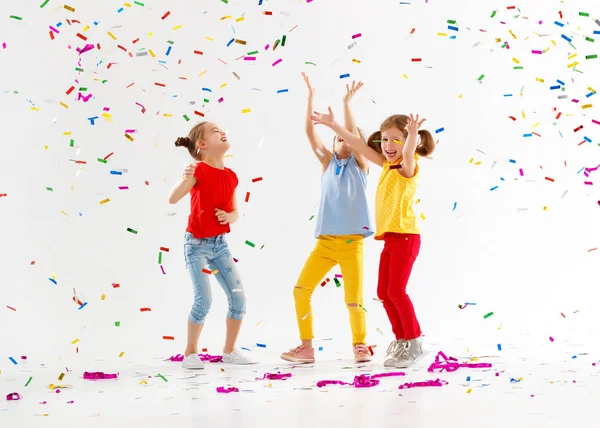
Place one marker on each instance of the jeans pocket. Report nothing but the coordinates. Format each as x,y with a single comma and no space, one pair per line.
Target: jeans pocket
415,245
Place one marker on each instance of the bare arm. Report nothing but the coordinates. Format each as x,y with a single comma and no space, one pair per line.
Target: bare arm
184,185
355,141
350,123
317,146
410,146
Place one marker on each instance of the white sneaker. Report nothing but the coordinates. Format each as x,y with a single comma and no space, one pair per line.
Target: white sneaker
412,352
237,357
192,362
394,351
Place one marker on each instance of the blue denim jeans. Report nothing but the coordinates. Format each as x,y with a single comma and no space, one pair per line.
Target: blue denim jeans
213,253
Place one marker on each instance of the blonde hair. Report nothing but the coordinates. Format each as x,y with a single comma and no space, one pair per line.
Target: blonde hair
426,146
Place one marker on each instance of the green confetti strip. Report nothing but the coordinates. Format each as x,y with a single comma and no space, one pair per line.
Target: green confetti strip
584,14
30,376
517,67
589,39
311,217
18,18
250,244
481,77
50,189
138,3
72,143
206,100
362,307
44,4
493,13
117,323
283,40
159,375
276,44
451,21
187,119
349,241
102,160
337,283
132,231
591,56
486,316
311,63
79,69
160,257
82,89
252,53
225,1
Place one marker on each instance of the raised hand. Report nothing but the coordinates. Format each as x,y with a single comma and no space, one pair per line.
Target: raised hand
189,170
311,90
413,125
351,90
323,119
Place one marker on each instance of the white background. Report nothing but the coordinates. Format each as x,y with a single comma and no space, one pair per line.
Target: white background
525,266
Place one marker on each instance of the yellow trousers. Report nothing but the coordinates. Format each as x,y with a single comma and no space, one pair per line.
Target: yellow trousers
347,251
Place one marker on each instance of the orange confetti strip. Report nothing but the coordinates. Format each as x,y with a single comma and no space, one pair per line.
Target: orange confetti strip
169,337
593,249
145,310
166,14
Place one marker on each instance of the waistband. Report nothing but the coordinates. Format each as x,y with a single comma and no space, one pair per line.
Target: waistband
399,235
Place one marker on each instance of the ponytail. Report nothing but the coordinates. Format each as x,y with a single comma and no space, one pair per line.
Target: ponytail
427,145
189,142
375,142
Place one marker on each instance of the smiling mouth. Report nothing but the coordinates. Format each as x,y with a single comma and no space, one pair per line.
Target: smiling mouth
391,153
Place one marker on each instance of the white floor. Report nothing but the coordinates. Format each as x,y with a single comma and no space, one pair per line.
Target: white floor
550,393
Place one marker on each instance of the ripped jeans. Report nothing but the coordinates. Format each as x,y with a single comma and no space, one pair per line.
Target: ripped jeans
213,253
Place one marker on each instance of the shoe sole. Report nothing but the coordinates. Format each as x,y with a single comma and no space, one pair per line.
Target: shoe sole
193,368
297,360
363,360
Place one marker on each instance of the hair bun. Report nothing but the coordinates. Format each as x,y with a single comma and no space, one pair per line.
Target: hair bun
182,142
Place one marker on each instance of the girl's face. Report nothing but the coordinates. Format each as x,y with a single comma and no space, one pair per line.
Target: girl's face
392,141
340,146
214,142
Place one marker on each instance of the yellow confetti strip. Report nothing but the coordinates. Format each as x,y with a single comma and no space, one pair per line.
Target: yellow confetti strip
104,201
74,342
545,208
516,61
69,8
67,133
34,109
405,76
167,115
216,271
87,27
553,42
586,106
208,38
247,110
418,201
223,85
523,114
128,5
64,105
121,354
202,73
537,79
112,35
226,17
512,34
423,216
460,96
239,19
574,64
129,137
535,125
61,377
62,212
143,382
356,61
442,34
469,390
103,297
572,56
177,27
151,53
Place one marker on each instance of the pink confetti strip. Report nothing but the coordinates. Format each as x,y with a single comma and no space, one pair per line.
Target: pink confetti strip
588,170
204,357
223,390
275,376
436,382
357,36
143,108
277,62
249,58
597,122
123,187
361,381
4,45
451,364
100,375
13,396
54,29
163,270
537,52
130,131
85,49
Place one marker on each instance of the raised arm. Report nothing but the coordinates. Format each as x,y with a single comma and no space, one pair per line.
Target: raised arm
184,185
355,141
410,146
350,123
317,146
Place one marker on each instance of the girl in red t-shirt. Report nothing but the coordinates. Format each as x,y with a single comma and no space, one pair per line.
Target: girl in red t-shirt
213,209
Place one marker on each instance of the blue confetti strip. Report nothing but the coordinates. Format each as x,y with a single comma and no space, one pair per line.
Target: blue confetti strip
450,27
561,82
169,50
494,188
116,173
512,161
53,280
13,360
343,76
281,91
589,140
82,306
554,87
455,204
527,135
437,131
560,24
207,89
566,38
120,10
230,42
499,347
261,345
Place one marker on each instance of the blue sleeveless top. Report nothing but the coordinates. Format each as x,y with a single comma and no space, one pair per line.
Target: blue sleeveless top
343,209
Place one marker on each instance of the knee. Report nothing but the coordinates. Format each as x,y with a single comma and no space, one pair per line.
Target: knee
237,305
301,294
354,308
200,309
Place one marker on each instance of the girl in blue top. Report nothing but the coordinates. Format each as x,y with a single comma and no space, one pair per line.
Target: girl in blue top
343,221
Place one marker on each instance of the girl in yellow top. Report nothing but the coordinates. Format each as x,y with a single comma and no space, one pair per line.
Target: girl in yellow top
396,148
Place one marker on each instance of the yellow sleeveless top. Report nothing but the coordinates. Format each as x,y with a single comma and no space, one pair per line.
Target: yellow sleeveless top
394,202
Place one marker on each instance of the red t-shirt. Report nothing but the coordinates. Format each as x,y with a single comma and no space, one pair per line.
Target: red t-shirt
215,189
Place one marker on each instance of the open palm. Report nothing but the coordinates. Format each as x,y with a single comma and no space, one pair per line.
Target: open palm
326,119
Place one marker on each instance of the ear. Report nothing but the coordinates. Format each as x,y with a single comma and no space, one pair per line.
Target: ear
201,145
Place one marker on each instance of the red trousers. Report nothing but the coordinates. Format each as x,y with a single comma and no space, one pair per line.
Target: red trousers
399,254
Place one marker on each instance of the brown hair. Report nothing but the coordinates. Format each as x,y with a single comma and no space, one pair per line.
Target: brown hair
425,148
361,134
196,133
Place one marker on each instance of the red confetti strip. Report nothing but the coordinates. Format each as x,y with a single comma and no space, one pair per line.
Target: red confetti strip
199,52
166,14
199,113
593,249
550,179
70,90
168,337
11,308
578,128
135,41
165,249
266,12
160,84
206,271
247,196
512,117
145,310
109,155
116,285
254,180
416,59
559,114
82,37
